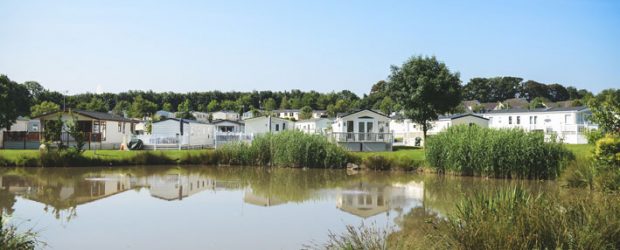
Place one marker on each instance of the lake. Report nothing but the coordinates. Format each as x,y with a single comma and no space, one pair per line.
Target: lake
219,207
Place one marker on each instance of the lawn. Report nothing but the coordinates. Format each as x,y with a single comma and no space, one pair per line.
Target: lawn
13,155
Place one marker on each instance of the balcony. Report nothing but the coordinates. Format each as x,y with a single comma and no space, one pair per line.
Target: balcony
361,137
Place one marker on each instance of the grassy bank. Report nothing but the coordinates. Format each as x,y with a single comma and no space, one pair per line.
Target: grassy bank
401,159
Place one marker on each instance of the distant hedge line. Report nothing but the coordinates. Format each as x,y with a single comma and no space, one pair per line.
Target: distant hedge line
504,153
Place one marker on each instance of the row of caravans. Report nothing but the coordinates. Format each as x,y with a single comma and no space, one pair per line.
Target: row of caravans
364,130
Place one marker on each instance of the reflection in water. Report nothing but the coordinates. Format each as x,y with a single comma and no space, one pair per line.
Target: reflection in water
284,197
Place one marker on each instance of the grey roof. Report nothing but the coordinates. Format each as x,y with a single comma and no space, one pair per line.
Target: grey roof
188,121
360,110
537,110
226,120
456,116
315,119
95,115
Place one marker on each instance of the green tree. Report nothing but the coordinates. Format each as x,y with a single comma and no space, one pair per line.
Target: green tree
43,108
213,106
284,104
341,106
532,89
183,110
558,93
425,88
230,105
306,113
605,109
539,102
167,107
121,107
478,89
36,90
79,136
269,104
95,104
142,107
14,101
331,110
387,105
53,131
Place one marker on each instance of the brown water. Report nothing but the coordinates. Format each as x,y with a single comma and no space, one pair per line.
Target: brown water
218,207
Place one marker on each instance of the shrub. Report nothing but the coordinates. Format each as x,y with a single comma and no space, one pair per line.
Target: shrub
593,135
607,151
606,160
504,153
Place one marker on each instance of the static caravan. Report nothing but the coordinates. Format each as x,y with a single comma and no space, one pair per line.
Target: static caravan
364,130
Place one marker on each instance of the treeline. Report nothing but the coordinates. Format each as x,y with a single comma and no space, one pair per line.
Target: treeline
496,89
32,99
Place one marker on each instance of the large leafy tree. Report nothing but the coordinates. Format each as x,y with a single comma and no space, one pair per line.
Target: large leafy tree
269,104
558,93
424,88
142,107
605,109
478,89
532,89
306,113
15,100
43,108
183,110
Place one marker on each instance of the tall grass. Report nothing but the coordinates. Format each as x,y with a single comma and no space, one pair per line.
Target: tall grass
515,219
356,238
285,149
476,151
11,239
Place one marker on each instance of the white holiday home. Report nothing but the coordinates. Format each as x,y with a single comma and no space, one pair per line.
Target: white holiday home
410,133
569,124
364,130
179,133
314,125
225,115
267,124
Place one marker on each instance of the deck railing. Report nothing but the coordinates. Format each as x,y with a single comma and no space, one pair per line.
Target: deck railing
361,137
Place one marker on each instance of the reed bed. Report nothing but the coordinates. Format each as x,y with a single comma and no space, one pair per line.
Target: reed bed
504,153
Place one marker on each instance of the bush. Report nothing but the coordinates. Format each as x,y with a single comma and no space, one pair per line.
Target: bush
607,151
504,153
594,135
606,160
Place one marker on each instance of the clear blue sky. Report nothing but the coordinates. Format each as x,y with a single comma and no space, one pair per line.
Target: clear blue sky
310,45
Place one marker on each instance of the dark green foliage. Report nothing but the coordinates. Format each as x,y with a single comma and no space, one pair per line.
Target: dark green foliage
425,88
14,101
78,136
53,131
605,109
475,151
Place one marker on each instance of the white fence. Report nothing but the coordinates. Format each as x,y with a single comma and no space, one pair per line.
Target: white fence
156,142
222,138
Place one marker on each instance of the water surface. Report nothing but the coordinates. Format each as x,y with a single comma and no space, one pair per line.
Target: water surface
219,207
